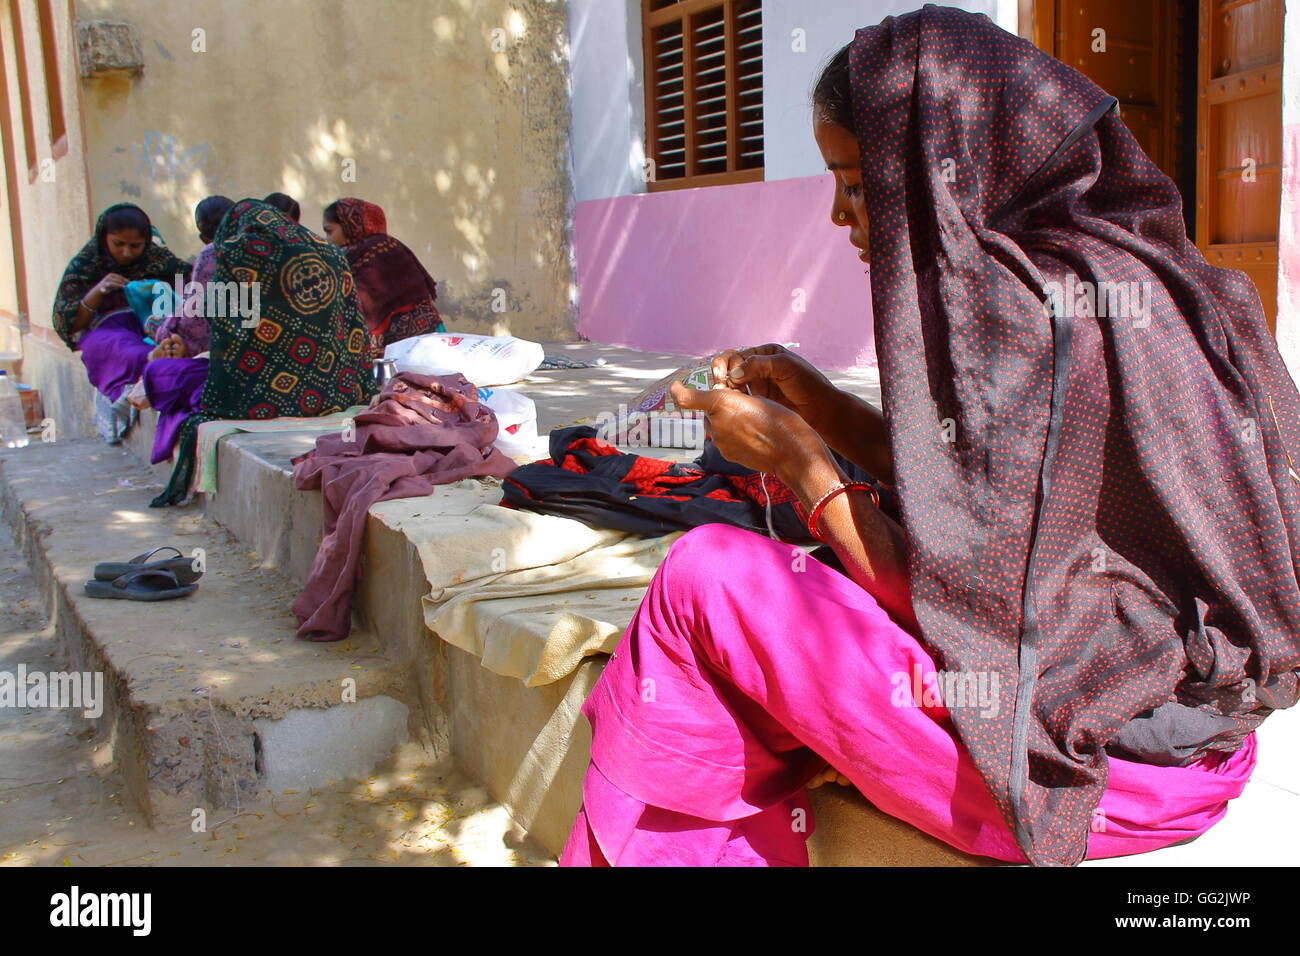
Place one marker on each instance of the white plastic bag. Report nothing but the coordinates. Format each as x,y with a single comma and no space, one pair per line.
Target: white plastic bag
516,422
483,359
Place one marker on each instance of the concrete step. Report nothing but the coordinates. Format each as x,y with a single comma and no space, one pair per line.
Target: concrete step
209,700
527,745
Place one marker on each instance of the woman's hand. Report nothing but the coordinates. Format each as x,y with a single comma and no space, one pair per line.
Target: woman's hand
110,283
774,372
91,301
752,431
845,422
768,437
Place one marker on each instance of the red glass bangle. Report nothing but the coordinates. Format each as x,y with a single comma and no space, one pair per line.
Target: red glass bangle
815,515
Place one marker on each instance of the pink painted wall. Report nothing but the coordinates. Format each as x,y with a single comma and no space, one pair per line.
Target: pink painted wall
1288,252
698,270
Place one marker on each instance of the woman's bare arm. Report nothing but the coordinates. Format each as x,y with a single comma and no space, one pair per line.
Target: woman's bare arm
871,547
772,437
84,314
856,429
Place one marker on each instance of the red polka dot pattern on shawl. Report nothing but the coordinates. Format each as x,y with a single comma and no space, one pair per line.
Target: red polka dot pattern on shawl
1099,509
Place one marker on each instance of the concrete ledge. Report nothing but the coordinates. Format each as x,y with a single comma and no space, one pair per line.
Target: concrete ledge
529,746
256,501
67,394
189,694
850,831
291,753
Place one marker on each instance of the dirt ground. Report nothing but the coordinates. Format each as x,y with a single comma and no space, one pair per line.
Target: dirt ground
62,804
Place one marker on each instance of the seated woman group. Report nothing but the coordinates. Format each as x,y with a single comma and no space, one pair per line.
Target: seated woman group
387,284
305,352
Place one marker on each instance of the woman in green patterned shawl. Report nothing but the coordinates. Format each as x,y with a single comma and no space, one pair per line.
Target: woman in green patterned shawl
90,310
292,340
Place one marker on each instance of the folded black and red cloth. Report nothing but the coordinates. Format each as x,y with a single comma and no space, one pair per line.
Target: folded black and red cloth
590,480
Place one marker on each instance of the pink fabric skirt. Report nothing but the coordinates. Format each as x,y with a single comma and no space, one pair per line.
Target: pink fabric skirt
747,667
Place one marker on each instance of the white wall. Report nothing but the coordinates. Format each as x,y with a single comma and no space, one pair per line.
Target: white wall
608,98
789,75
607,105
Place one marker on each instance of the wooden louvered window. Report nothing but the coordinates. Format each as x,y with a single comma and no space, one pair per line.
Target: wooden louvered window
704,92
53,90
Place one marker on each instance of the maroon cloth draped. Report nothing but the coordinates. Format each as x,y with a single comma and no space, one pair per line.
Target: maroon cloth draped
420,431
1100,509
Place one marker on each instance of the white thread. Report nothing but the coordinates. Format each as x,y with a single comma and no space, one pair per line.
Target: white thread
767,507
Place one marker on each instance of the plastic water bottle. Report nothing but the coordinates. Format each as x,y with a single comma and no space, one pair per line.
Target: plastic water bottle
13,423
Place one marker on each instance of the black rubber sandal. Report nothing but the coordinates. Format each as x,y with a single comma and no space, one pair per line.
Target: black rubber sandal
180,566
142,584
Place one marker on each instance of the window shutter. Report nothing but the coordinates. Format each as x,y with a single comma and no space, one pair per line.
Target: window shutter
704,91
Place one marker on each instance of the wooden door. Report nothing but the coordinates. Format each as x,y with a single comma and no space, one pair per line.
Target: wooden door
1232,187
1239,139
1130,48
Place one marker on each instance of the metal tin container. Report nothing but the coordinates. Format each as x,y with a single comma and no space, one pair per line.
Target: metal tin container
383,369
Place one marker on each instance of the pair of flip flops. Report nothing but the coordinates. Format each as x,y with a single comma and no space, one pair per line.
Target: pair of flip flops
143,580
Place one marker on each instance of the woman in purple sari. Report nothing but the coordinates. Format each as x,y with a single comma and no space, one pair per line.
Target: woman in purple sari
174,377
1060,641
90,311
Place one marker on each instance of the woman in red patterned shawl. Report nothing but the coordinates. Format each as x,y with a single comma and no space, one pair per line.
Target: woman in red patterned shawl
396,292
1059,642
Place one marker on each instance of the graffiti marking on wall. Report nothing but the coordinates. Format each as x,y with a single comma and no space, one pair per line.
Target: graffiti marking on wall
161,157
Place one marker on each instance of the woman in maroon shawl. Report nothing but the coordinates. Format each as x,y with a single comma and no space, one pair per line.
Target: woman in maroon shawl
1089,600
395,290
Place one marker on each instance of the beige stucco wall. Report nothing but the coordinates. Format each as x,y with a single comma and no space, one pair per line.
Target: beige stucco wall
463,146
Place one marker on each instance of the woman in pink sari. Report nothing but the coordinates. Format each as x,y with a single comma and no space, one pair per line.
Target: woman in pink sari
1059,643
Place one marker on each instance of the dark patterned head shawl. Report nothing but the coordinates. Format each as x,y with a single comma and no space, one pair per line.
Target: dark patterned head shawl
1101,510
307,356
389,276
93,262
360,219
